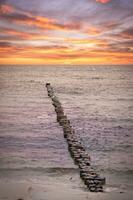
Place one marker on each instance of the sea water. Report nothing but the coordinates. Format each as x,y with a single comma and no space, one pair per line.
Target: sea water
98,100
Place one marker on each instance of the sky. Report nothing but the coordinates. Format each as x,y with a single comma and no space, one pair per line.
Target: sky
66,32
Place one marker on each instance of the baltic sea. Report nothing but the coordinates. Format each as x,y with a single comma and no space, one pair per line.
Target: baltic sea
98,100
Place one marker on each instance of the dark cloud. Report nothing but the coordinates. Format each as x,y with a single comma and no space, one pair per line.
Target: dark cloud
7,38
47,47
111,25
2,2
120,46
5,44
15,17
128,33
126,43
122,35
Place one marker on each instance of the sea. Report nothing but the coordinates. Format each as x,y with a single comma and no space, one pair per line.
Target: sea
98,101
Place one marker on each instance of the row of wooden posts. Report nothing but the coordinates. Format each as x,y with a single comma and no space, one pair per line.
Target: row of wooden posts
81,158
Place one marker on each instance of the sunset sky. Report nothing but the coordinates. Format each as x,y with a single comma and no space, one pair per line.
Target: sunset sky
66,31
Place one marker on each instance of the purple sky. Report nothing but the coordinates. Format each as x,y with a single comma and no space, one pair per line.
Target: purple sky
71,26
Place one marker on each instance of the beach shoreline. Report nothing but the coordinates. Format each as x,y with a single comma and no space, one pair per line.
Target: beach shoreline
28,190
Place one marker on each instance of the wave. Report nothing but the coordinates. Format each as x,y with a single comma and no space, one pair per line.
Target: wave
66,170
118,171
62,170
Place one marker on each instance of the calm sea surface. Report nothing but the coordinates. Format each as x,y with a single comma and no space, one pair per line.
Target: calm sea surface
98,100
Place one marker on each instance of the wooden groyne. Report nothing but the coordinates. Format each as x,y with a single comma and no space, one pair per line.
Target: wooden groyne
81,158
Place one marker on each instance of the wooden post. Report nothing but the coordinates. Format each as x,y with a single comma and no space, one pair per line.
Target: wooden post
89,176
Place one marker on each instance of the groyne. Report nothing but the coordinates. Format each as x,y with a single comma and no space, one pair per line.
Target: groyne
90,177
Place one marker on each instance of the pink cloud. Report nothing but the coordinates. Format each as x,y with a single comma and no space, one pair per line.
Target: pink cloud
103,1
6,9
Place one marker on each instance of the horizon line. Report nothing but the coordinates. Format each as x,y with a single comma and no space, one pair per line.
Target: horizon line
110,64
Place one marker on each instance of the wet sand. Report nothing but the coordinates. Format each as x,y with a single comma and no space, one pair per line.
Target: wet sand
27,190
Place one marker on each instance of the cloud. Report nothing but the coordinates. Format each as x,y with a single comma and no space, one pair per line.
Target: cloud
117,46
2,2
61,31
128,33
87,42
122,35
5,48
15,35
5,44
61,54
6,9
111,25
92,30
103,1
44,23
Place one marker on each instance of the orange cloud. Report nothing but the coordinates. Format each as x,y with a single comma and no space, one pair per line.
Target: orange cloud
46,23
92,42
103,1
27,36
94,31
93,58
60,55
73,50
19,35
28,19
40,22
6,9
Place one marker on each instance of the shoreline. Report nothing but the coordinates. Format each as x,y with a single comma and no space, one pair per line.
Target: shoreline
29,190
